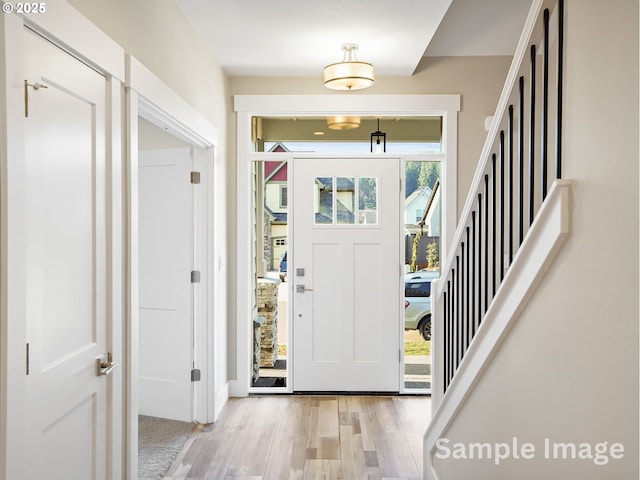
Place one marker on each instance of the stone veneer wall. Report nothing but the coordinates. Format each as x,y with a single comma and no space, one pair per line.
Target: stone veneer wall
268,308
257,330
267,245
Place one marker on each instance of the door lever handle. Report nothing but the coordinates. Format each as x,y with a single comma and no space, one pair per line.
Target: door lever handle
302,289
105,365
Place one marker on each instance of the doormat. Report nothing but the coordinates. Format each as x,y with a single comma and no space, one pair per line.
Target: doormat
159,443
270,382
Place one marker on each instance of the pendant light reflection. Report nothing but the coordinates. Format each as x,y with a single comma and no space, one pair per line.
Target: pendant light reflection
342,122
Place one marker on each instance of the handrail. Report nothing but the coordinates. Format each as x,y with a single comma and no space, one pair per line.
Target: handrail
509,187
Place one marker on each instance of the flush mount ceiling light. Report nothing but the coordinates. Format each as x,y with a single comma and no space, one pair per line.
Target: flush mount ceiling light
350,74
341,122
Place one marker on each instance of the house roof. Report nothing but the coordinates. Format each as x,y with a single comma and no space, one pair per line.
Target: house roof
276,217
343,184
275,171
432,197
424,191
279,147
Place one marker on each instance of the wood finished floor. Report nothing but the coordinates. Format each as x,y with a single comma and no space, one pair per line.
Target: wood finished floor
309,438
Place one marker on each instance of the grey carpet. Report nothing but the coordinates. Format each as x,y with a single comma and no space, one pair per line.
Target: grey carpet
159,443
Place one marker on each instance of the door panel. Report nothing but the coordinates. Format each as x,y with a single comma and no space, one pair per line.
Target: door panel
166,295
325,320
66,273
367,345
346,239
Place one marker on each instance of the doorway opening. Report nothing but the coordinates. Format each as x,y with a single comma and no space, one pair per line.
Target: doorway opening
255,130
421,147
168,208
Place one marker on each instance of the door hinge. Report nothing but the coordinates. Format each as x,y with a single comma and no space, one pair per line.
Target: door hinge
195,276
400,355
27,355
195,375
195,177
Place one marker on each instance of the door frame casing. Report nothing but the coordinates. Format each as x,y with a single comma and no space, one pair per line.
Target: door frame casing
92,47
147,96
248,106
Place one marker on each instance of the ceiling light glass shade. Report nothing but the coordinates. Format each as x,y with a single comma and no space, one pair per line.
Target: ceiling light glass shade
341,122
350,74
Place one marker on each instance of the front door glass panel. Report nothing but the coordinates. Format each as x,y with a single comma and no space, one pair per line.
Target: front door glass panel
345,200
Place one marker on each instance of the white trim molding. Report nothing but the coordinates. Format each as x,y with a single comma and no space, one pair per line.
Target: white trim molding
165,108
85,40
342,104
149,97
545,238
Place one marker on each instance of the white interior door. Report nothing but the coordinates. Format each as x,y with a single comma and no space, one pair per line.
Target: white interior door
345,271
69,407
166,235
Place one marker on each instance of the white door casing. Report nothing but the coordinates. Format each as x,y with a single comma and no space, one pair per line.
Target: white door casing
69,407
166,229
346,323
148,96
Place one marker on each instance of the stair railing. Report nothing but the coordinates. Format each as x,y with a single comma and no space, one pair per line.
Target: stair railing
510,185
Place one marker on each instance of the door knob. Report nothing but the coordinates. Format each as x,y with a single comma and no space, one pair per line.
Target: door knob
105,365
302,289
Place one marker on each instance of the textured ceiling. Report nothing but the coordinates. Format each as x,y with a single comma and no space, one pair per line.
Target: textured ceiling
298,38
292,38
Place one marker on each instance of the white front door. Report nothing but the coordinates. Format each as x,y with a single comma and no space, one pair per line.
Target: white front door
66,278
344,269
166,226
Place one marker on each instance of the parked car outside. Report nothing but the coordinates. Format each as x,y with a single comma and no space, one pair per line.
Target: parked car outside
283,266
417,301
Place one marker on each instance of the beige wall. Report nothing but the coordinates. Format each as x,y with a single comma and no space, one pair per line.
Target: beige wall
159,35
568,371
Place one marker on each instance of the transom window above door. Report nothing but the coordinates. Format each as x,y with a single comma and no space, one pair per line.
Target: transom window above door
403,134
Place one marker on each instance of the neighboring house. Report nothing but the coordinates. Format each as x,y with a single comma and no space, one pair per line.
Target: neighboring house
415,206
275,206
345,200
427,226
430,219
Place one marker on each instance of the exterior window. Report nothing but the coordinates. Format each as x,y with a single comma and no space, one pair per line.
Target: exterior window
418,215
417,289
281,242
283,196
